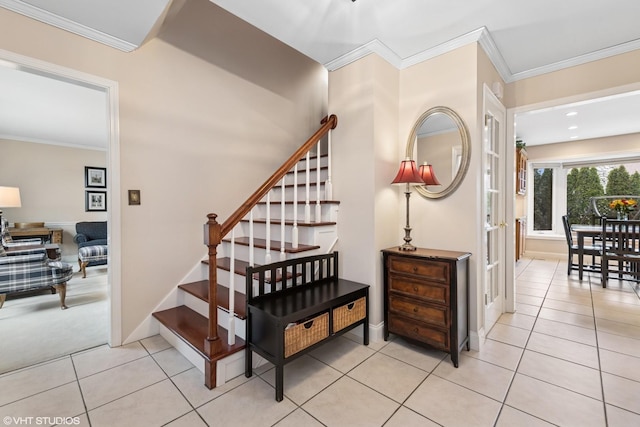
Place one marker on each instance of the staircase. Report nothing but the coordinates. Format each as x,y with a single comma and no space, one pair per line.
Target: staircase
291,215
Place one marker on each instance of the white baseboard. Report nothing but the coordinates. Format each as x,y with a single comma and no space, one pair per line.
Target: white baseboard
476,339
545,255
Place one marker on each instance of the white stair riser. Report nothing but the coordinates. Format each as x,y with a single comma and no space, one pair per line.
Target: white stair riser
242,252
327,211
313,162
302,193
202,308
302,176
306,235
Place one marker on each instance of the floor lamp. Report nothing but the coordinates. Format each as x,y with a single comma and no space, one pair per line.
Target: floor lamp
408,174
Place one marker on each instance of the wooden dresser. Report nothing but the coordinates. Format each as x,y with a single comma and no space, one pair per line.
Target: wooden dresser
426,297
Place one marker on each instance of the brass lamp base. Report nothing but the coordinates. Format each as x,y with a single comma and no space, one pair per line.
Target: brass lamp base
407,241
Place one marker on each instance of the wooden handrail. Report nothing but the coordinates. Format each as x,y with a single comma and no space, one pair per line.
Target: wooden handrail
328,123
214,233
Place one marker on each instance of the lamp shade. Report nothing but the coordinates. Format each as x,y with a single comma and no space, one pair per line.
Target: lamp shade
10,197
408,173
428,175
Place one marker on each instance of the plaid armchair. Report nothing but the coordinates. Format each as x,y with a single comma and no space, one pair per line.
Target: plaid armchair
30,269
91,234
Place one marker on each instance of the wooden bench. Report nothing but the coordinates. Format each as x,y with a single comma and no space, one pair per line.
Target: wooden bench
305,306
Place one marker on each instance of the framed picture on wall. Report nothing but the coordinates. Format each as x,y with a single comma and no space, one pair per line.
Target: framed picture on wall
95,201
95,177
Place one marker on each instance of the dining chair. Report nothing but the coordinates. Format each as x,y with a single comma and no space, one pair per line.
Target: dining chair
573,249
623,246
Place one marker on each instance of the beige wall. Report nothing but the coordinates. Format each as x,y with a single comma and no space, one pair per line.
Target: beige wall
378,106
194,137
448,80
364,95
51,182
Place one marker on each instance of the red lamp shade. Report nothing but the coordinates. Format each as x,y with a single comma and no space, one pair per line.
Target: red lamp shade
427,174
408,173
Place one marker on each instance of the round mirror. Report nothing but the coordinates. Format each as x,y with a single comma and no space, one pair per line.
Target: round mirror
440,139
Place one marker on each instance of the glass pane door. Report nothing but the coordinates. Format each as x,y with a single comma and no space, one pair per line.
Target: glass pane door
494,225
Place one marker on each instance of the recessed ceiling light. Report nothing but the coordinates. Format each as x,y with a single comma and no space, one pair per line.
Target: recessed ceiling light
573,127
574,137
572,113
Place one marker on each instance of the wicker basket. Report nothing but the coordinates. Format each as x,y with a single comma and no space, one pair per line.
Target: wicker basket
305,334
349,314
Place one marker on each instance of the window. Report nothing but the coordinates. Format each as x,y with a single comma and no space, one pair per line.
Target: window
558,189
542,199
546,198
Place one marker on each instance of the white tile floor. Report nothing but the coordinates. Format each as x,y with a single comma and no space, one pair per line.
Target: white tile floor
569,356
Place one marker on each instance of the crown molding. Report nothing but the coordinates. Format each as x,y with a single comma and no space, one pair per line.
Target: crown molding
484,39
374,46
66,24
481,35
579,60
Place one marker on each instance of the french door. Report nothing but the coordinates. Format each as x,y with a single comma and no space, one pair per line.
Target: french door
494,209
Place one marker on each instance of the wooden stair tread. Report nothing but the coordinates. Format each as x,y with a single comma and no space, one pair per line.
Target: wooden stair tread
240,266
290,222
200,290
223,263
193,328
275,245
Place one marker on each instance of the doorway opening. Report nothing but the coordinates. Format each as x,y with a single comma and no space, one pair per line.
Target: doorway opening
38,73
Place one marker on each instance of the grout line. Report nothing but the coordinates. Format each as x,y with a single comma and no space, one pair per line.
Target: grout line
524,348
595,325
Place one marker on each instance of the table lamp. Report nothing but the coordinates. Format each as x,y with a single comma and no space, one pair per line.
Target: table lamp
427,174
408,174
9,198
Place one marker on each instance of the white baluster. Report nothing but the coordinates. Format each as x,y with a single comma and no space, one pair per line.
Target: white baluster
307,207
294,231
328,187
318,209
267,256
251,245
283,254
232,262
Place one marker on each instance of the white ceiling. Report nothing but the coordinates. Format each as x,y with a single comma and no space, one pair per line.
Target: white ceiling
523,39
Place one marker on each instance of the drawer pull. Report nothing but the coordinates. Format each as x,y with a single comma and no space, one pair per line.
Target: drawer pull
415,309
415,288
415,269
416,330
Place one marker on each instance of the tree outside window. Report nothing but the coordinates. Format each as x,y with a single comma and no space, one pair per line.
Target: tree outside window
543,199
587,182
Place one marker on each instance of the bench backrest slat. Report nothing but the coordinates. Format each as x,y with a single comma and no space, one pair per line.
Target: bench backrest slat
290,274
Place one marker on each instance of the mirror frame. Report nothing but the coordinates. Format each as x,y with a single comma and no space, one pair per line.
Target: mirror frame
466,151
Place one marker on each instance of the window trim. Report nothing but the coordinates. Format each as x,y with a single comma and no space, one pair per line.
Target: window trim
558,202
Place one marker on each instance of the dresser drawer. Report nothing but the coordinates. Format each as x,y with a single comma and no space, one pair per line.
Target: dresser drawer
436,337
432,270
433,314
433,292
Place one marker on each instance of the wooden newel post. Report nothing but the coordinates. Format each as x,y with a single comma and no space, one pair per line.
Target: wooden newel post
212,238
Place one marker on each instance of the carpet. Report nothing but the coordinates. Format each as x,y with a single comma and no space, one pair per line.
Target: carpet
34,329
